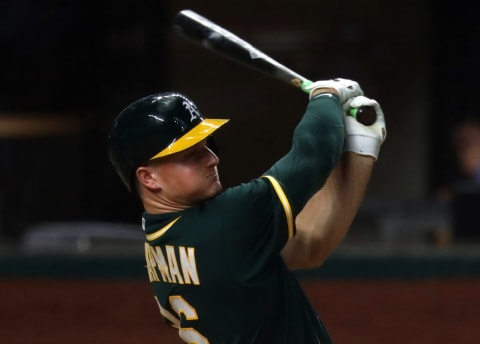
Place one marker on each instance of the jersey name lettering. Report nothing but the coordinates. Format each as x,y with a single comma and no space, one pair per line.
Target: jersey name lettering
171,264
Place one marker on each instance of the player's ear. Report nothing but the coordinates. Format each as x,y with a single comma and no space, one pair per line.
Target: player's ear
147,177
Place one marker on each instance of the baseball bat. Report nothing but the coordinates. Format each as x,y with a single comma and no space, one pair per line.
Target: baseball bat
223,42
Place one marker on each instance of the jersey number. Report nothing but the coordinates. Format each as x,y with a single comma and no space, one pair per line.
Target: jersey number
181,306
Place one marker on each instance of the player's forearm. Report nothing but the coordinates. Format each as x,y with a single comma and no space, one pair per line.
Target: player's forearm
346,189
326,218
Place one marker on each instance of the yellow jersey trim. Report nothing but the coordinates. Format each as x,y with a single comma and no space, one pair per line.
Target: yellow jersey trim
285,203
161,231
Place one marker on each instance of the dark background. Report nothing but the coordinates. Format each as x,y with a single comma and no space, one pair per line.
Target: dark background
86,61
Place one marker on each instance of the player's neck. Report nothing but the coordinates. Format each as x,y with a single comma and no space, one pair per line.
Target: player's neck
155,203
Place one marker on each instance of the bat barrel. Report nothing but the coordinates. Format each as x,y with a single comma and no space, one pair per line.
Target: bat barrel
213,37
221,41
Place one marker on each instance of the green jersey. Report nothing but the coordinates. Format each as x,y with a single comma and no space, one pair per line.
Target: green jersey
216,269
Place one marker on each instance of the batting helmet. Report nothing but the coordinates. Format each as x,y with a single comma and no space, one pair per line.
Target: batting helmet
154,127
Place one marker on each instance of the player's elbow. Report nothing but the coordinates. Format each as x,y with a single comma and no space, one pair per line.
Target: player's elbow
308,255
317,255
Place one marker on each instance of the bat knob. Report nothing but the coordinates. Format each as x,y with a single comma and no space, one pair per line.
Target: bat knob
364,114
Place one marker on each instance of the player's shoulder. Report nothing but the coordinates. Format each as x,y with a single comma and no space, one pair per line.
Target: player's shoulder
254,195
255,188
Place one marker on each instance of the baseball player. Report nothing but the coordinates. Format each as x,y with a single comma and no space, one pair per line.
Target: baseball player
220,261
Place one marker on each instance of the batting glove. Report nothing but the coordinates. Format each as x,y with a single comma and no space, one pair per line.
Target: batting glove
346,88
362,139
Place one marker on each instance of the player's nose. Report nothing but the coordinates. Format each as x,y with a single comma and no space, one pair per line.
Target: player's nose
212,158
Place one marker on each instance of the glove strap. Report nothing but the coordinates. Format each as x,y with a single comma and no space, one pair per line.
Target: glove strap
362,145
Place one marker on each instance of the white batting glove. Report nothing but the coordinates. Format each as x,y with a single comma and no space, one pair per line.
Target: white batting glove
362,139
346,88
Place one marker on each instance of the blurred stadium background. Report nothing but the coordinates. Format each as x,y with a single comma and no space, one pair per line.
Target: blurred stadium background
71,264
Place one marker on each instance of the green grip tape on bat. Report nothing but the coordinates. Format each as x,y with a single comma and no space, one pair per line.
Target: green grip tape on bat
364,114
305,83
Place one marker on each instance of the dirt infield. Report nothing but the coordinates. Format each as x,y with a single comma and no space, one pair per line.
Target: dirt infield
123,311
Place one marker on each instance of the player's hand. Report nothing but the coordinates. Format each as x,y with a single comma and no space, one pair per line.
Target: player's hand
345,88
362,139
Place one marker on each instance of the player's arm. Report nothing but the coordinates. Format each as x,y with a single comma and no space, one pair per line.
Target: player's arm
317,142
327,216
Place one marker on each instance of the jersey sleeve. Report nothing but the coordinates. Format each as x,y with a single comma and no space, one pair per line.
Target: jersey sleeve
256,221
316,148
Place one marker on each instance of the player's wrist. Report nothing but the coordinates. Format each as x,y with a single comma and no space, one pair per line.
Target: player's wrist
363,145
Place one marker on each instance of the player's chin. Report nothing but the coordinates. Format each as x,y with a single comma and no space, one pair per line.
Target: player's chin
216,188
213,190
212,186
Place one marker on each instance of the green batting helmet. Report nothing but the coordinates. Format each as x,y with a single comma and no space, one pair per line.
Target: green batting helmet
153,127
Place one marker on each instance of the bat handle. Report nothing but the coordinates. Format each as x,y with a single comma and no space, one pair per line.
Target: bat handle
364,114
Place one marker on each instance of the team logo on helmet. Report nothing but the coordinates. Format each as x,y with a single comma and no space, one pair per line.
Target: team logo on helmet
192,109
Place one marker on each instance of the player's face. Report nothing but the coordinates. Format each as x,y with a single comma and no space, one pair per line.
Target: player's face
191,176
